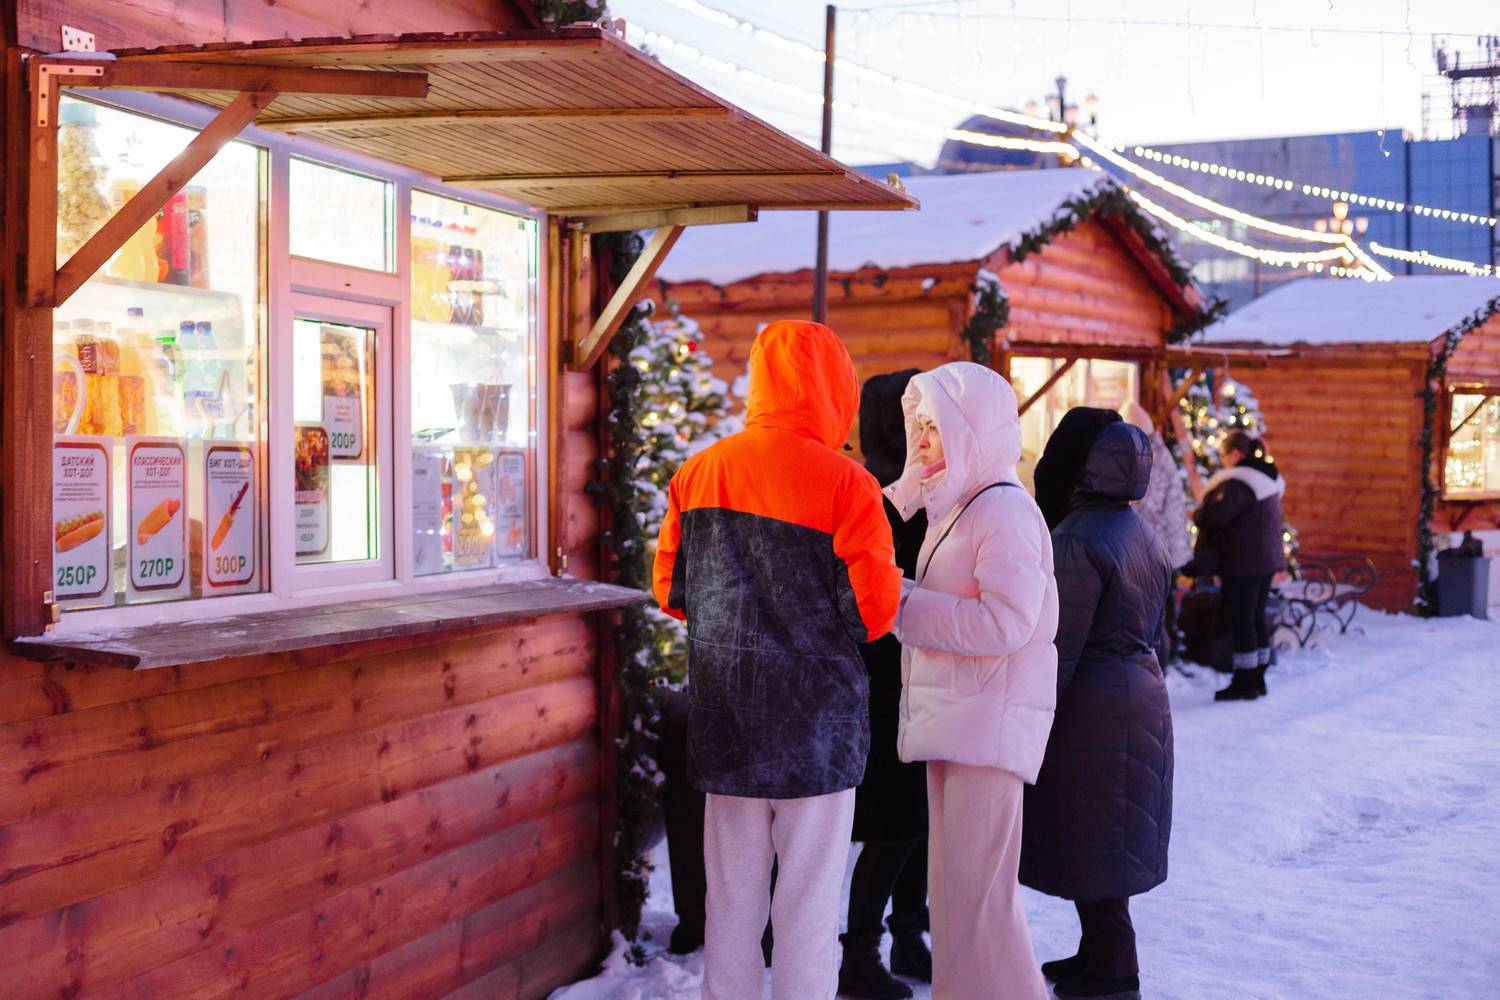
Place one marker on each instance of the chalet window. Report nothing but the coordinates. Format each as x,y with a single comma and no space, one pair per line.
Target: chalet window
1472,466
1087,382
309,379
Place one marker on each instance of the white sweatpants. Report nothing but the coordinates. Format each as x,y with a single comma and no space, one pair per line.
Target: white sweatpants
741,838
981,945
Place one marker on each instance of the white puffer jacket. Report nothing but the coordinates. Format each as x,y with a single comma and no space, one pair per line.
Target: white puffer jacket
979,670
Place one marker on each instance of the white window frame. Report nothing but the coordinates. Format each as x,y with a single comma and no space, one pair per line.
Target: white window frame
290,586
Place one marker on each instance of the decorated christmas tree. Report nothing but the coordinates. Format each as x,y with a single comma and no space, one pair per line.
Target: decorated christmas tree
680,408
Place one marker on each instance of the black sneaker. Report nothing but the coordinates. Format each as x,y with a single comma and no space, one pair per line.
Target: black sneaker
1063,968
1088,987
861,976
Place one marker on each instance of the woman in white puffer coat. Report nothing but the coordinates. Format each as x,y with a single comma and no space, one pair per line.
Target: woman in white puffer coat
979,671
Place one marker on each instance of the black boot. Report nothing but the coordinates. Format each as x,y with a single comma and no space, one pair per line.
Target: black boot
862,976
1260,681
1086,987
909,954
1242,688
1262,661
1063,968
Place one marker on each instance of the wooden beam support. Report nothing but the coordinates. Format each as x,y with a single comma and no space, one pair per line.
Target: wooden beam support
150,199
624,299
541,116
646,176
1175,396
710,215
1052,380
167,77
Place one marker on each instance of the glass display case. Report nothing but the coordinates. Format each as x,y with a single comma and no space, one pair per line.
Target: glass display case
473,309
157,383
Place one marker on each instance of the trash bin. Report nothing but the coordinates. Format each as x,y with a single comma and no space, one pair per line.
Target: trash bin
1464,586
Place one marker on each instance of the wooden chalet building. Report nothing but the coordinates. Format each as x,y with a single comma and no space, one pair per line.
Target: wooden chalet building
308,688
1354,375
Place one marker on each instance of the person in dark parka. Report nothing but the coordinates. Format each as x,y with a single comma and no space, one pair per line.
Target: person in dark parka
1240,538
1098,820
1057,471
890,805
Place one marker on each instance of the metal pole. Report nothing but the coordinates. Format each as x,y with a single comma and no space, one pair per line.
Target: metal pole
820,275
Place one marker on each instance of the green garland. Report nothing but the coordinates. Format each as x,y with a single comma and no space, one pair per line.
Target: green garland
636,773
557,13
1437,371
1110,199
991,313
1202,320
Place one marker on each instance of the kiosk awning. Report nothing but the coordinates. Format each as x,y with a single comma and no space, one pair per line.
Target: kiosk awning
574,121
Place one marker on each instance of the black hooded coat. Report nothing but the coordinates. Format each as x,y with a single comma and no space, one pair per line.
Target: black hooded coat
1058,470
891,803
1097,822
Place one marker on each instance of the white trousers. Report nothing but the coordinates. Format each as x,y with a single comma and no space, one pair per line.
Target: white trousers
981,944
741,839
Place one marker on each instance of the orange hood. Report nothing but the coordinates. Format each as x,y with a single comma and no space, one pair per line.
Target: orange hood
802,380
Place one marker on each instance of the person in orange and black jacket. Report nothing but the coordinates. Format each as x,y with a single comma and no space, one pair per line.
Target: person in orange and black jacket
1239,539
776,551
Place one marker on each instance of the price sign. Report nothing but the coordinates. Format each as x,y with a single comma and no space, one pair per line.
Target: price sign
82,554
473,508
510,503
427,510
157,518
310,490
344,366
231,516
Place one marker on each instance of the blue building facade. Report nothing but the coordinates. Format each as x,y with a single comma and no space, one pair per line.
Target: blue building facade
1459,175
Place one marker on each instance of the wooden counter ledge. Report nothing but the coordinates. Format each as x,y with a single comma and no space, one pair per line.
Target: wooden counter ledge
181,643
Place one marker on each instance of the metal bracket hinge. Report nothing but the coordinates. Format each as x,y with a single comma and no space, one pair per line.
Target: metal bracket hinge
48,76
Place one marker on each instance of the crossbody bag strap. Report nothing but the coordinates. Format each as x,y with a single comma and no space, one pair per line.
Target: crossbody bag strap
948,530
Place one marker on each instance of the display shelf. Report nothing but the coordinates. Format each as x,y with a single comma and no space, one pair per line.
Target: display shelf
162,287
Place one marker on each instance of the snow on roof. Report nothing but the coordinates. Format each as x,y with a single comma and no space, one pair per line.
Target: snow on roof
963,217
1413,309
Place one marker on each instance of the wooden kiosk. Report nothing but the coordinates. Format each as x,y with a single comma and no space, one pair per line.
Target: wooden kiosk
1384,415
1091,297
307,689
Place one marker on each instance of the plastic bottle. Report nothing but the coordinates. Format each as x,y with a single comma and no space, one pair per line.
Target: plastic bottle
135,260
137,387
214,401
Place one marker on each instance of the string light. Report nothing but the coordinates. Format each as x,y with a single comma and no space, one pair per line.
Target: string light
1282,184
1433,260
1225,211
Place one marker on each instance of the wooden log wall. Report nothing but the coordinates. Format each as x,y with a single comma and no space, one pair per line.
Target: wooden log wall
1476,362
149,23
403,822
1343,427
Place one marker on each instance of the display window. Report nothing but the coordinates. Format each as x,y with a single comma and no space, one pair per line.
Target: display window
1471,466
1089,382
302,379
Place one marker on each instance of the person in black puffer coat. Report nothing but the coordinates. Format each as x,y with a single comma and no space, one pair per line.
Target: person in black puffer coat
890,805
1099,818
1240,528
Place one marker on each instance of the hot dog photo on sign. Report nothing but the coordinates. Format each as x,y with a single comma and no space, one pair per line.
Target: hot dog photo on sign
158,522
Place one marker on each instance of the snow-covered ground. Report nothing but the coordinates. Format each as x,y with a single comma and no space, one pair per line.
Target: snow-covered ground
1337,839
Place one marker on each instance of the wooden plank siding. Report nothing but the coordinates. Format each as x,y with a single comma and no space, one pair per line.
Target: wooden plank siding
1345,437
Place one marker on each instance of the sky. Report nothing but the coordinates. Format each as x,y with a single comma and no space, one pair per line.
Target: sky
1163,70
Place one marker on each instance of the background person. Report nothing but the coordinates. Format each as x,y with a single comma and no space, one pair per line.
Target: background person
890,805
1061,464
979,675
1099,818
776,551
1240,538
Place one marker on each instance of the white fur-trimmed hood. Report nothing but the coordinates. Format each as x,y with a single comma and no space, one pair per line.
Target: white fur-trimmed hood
1262,485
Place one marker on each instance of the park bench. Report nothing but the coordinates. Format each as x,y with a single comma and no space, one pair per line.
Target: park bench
1321,590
